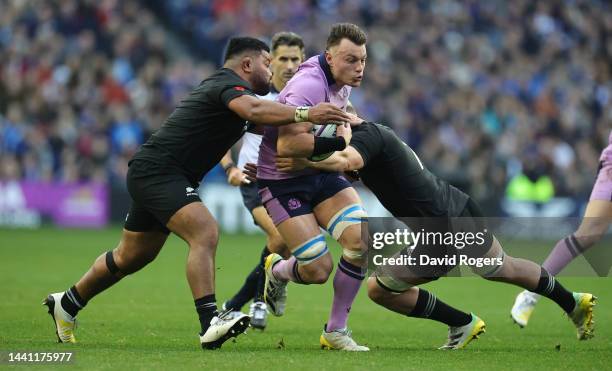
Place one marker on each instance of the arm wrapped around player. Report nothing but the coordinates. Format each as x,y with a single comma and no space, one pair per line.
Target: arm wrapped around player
326,145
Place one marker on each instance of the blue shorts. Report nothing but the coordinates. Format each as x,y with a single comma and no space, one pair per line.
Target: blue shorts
288,198
250,196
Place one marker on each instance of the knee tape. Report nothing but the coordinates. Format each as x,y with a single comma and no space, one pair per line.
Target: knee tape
310,250
490,270
350,215
354,254
110,263
391,284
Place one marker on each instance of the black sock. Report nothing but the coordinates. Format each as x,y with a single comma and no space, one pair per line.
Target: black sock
264,254
261,280
72,301
247,291
428,306
250,288
296,274
207,308
549,287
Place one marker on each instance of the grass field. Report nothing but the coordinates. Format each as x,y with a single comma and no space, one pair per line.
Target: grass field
147,321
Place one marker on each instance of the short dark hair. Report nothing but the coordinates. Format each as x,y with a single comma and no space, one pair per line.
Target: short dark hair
287,39
349,31
239,45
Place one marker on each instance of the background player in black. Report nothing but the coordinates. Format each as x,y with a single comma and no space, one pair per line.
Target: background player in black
162,181
395,174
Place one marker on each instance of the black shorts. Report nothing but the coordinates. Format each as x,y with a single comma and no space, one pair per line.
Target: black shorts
471,222
157,194
250,196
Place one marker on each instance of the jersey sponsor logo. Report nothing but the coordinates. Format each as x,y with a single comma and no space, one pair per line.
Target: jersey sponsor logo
294,203
189,191
239,88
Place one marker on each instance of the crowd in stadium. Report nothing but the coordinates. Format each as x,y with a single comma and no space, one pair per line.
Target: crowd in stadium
482,90
83,84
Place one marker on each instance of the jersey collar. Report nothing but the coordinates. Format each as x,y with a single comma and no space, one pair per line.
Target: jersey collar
327,70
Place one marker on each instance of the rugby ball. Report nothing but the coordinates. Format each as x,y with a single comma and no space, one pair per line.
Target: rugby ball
325,131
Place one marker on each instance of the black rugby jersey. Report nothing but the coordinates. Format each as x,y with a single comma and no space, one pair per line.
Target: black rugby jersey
201,129
395,174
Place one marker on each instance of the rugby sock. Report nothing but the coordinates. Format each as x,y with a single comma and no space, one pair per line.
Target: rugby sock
549,287
72,301
347,281
564,252
251,288
261,280
247,291
429,306
206,307
284,270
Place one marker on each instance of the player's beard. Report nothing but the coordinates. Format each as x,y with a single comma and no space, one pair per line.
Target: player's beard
261,86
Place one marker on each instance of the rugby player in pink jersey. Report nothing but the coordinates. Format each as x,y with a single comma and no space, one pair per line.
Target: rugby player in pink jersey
299,203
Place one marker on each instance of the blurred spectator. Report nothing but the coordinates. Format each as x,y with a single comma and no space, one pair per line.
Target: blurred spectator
474,86
82,85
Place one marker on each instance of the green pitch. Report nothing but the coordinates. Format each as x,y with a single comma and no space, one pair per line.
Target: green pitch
147,321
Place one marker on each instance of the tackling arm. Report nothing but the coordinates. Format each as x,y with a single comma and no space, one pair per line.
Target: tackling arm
297,140
265,112
347,160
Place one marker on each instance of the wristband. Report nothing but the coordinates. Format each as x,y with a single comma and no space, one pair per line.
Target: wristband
228,166
301,114
324,145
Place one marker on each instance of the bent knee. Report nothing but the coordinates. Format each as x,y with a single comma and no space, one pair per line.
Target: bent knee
320,276
353,249
351,238
375,292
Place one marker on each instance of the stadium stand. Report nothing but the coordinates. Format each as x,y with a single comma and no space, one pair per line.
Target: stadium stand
485,91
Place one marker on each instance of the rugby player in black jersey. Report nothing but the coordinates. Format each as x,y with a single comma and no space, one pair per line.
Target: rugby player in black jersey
163,178
394,173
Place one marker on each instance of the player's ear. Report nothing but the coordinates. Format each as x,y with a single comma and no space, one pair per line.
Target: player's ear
328,58
247,64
